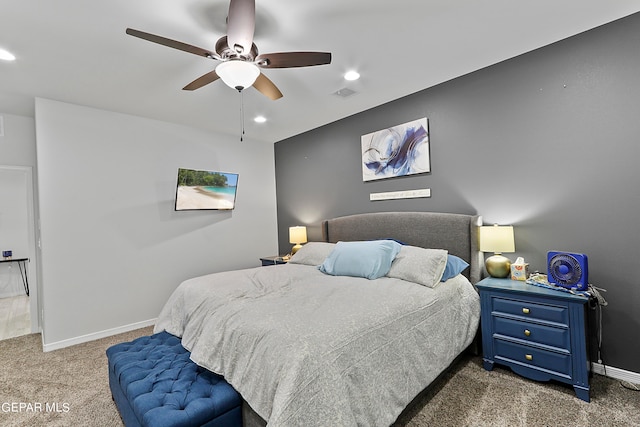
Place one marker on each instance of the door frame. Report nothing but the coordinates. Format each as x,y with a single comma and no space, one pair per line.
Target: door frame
33,266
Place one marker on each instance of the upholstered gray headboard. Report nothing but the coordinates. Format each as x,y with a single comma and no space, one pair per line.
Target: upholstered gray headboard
457,233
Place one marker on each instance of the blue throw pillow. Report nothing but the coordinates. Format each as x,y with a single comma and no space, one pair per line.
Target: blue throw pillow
454,267
370,260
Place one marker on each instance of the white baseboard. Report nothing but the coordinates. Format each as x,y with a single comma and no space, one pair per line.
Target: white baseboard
617,373
97,335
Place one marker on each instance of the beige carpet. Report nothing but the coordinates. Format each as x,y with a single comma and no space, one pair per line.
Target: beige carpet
73,382
471,396
69,387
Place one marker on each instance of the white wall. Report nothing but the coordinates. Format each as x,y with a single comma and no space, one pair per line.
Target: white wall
18,145
113,248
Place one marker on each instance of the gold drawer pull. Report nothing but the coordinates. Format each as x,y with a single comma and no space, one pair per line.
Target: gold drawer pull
528,357
525,310
527,332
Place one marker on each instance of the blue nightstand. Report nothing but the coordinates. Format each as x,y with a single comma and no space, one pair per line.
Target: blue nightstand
539,333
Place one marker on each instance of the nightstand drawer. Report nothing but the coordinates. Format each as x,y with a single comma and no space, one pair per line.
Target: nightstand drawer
559,363
533,332
551,313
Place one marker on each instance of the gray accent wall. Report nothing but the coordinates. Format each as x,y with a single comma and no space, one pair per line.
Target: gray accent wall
547,141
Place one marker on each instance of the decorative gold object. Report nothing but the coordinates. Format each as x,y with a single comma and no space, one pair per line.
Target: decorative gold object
498,266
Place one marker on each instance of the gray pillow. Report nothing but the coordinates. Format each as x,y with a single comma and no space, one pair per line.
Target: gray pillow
313,253
419,265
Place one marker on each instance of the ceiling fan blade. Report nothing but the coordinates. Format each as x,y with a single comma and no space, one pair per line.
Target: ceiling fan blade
267,88
172,43
293,59
202,81
241,24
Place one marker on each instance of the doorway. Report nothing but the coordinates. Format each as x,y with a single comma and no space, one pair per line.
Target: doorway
18,288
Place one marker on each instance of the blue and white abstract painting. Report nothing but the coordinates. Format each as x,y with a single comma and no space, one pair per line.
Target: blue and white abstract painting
397,151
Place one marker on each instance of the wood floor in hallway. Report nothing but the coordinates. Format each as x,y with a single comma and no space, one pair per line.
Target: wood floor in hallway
15,317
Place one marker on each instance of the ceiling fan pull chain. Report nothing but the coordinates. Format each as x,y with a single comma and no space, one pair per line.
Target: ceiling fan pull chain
241,115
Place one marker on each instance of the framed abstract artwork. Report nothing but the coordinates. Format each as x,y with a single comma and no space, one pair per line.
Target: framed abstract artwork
396,151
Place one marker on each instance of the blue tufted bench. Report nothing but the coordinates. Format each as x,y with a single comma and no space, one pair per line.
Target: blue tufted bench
155,384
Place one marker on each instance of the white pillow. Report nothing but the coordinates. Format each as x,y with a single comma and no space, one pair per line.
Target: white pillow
312,253
419,265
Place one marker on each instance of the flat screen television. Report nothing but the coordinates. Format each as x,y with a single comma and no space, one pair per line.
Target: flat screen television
205,190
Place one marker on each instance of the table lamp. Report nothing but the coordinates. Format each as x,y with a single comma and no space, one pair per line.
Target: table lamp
497,239
297,236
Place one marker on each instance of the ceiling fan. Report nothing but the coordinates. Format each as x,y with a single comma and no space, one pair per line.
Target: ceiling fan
240,61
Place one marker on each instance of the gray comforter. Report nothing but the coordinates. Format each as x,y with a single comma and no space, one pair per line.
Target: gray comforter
307,349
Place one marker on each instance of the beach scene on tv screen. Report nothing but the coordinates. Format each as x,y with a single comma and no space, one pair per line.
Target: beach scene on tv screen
205,190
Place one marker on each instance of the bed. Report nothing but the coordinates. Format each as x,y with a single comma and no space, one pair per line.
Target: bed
305,344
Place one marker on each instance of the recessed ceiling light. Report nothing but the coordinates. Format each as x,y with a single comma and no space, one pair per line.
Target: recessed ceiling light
6,55
260,119
351,75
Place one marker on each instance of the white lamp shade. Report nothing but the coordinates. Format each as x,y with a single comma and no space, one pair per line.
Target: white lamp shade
497,238
298,234
238,74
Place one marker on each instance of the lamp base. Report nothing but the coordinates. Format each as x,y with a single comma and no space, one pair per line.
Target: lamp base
498,266
296,248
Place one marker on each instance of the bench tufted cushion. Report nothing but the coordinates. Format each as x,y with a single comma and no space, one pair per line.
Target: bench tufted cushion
154,383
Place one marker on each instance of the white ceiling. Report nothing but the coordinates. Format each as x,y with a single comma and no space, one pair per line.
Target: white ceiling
77,51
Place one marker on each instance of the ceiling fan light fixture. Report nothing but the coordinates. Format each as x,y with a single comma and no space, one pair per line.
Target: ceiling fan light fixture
238,74
351,75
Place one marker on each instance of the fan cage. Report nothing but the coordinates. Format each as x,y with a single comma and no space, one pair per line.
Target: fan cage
560,263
